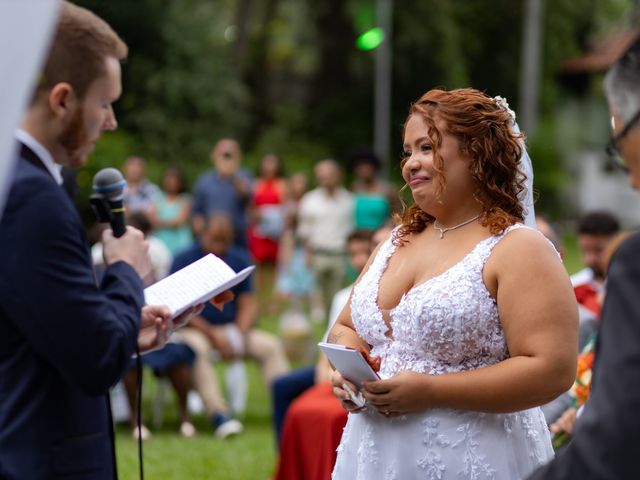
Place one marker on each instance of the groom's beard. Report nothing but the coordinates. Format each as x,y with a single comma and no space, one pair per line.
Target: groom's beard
74,140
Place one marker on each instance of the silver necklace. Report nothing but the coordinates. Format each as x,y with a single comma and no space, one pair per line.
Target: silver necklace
444,230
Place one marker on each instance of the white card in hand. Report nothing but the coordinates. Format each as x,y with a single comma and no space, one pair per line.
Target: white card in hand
349,362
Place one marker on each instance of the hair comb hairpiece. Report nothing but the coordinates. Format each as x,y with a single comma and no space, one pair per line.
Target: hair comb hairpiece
502,103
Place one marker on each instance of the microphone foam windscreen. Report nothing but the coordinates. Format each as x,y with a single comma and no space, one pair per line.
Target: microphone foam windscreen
109,183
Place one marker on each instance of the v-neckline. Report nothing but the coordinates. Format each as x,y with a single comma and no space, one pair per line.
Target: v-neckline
416,286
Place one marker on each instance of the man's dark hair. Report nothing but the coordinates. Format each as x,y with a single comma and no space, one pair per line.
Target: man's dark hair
598,223
140,220
360,236
363,155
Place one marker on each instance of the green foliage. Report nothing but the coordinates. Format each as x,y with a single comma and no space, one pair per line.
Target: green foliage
291,80
194,96
550,172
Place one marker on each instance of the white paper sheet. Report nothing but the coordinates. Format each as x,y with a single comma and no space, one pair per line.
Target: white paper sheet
196,283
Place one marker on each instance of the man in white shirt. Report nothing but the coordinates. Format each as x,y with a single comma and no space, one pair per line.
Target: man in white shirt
325,221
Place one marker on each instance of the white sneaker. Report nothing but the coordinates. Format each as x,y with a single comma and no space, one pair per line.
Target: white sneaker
228,428
187,430
144,433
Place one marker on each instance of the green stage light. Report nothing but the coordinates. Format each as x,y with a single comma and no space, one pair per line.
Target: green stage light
370,39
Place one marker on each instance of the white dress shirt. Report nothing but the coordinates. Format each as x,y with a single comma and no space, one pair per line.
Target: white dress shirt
43,154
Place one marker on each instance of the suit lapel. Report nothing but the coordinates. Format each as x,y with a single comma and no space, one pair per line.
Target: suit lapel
30,156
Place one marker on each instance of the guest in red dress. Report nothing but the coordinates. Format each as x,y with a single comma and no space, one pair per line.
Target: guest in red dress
267,223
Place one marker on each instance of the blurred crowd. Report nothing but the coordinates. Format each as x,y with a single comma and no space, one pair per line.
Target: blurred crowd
296,236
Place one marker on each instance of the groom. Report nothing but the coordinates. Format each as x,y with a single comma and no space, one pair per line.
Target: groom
63,339
605,440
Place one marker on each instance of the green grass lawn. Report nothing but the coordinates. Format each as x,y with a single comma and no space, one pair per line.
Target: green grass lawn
250,455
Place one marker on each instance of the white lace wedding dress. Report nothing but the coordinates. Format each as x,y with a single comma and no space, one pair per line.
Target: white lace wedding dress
447,324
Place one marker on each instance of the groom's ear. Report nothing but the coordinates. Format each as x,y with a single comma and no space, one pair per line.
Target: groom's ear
62,101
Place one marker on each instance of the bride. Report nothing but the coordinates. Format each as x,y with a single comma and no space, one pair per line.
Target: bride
471,313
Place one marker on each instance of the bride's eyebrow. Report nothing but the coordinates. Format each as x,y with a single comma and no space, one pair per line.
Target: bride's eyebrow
419,140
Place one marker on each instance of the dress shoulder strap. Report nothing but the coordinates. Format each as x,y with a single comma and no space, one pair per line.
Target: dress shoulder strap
489,244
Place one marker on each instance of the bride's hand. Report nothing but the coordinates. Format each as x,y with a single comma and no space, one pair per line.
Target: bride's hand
338,382
405,392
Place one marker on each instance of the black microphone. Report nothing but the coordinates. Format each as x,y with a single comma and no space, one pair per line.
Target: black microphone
108,185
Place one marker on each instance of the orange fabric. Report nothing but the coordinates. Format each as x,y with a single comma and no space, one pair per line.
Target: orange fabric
311,433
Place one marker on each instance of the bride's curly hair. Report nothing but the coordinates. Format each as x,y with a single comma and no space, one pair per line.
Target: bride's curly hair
484,131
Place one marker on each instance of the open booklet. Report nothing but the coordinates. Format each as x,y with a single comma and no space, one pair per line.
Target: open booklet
196,283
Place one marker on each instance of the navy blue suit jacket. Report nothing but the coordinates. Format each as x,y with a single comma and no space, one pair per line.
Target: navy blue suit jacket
63,339
607,435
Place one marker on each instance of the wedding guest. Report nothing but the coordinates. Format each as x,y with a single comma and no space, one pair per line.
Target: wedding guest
172,210
325,219
470,313
295,283
226,188
230,332
140,193
270,192
374,199
595,231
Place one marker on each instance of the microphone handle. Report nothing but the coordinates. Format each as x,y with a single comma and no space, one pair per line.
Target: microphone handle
117,218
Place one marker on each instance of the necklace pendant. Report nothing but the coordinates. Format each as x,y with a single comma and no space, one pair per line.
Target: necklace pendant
441,233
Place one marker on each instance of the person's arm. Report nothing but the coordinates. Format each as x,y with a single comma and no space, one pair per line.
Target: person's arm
185,212
85,331
538,314
181,219
305,219
603,443
283,190
246,312
242,185
198,208
343,332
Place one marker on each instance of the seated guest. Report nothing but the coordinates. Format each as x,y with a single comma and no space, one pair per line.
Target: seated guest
229,332
313,424
174,361
160,255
